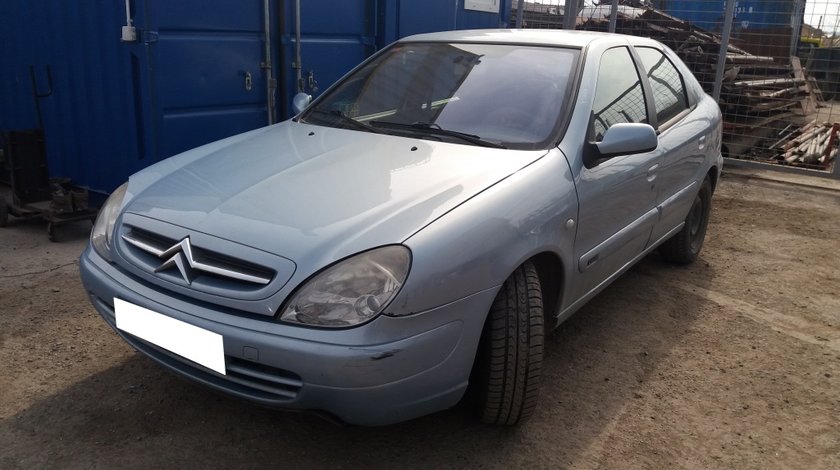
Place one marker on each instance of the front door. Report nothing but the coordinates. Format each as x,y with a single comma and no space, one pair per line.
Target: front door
617,196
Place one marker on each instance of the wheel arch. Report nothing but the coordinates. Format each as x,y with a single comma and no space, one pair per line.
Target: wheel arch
713,176
550,270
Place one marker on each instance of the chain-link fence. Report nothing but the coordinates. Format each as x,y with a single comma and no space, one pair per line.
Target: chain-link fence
773,65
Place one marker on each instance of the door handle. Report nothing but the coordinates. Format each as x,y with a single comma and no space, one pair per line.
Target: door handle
651,173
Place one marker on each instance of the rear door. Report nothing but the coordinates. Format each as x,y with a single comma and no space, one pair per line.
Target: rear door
682,139
616,196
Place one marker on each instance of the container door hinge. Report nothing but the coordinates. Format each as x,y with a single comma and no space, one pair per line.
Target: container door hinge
150,37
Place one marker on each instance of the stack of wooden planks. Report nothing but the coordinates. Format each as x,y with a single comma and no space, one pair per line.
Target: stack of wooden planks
755,90
812,144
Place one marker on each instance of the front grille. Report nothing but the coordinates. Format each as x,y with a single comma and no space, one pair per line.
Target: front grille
243,377
180,259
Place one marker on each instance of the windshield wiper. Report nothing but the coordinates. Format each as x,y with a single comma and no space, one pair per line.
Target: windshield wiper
434,129
347,120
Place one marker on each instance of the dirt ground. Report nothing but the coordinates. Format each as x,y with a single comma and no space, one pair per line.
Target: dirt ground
733,362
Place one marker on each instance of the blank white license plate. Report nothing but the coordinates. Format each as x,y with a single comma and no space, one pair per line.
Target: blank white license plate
189,341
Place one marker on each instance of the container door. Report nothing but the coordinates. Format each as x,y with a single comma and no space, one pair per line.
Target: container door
335,37
201,76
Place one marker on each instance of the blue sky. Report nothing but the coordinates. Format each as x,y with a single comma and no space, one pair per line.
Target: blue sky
828,9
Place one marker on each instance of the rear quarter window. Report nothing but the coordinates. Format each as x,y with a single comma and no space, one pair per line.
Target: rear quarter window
666,82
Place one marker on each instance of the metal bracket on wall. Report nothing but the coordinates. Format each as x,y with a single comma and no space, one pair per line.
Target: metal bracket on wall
311,83
39,95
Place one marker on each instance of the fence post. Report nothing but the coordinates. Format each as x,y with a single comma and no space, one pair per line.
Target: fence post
570,12
519,7
796,23
836,170
613,15
724,45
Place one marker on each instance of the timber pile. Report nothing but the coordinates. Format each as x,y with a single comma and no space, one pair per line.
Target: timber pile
697,47
752,84
753,91
812,144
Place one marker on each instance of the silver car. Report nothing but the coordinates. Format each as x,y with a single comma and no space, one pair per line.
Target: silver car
412,233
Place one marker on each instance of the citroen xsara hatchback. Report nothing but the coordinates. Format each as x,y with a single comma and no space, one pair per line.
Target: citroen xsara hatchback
416,230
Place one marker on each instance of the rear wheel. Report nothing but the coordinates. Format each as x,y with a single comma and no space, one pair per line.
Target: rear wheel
509,361
684,247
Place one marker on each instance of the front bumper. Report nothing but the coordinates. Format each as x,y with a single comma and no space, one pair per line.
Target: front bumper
386,371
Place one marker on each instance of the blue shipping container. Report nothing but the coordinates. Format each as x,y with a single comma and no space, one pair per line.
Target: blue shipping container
195,74
763,14
749,14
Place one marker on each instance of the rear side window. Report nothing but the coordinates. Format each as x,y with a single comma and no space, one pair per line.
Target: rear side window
619,96
666,84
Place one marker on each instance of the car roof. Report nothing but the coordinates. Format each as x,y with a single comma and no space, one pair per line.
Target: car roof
553,37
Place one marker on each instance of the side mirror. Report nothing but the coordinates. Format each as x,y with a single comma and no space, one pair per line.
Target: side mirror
627,138
300,102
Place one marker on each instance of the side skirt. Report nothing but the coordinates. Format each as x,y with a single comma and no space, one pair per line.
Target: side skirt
564,314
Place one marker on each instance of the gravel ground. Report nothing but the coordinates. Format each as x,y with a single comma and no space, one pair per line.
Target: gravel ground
733,362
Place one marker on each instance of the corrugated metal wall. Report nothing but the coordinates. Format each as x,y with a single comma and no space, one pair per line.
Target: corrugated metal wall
89,117
331,43
118,107
749,14
762,27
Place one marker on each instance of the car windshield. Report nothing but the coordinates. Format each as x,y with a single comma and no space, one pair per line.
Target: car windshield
477,94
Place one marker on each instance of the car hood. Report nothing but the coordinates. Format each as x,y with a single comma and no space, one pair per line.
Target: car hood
303,191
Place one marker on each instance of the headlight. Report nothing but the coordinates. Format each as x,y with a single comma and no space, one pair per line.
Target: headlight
103,228
352,291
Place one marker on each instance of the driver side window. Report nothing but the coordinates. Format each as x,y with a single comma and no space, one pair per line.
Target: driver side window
619,96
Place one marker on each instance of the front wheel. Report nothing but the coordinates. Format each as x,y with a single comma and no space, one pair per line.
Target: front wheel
684,247
509,361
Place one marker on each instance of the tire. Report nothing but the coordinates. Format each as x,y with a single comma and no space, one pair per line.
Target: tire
507,370
4,212
684,247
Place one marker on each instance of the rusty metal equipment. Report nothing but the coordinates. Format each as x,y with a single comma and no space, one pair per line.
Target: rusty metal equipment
34,193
